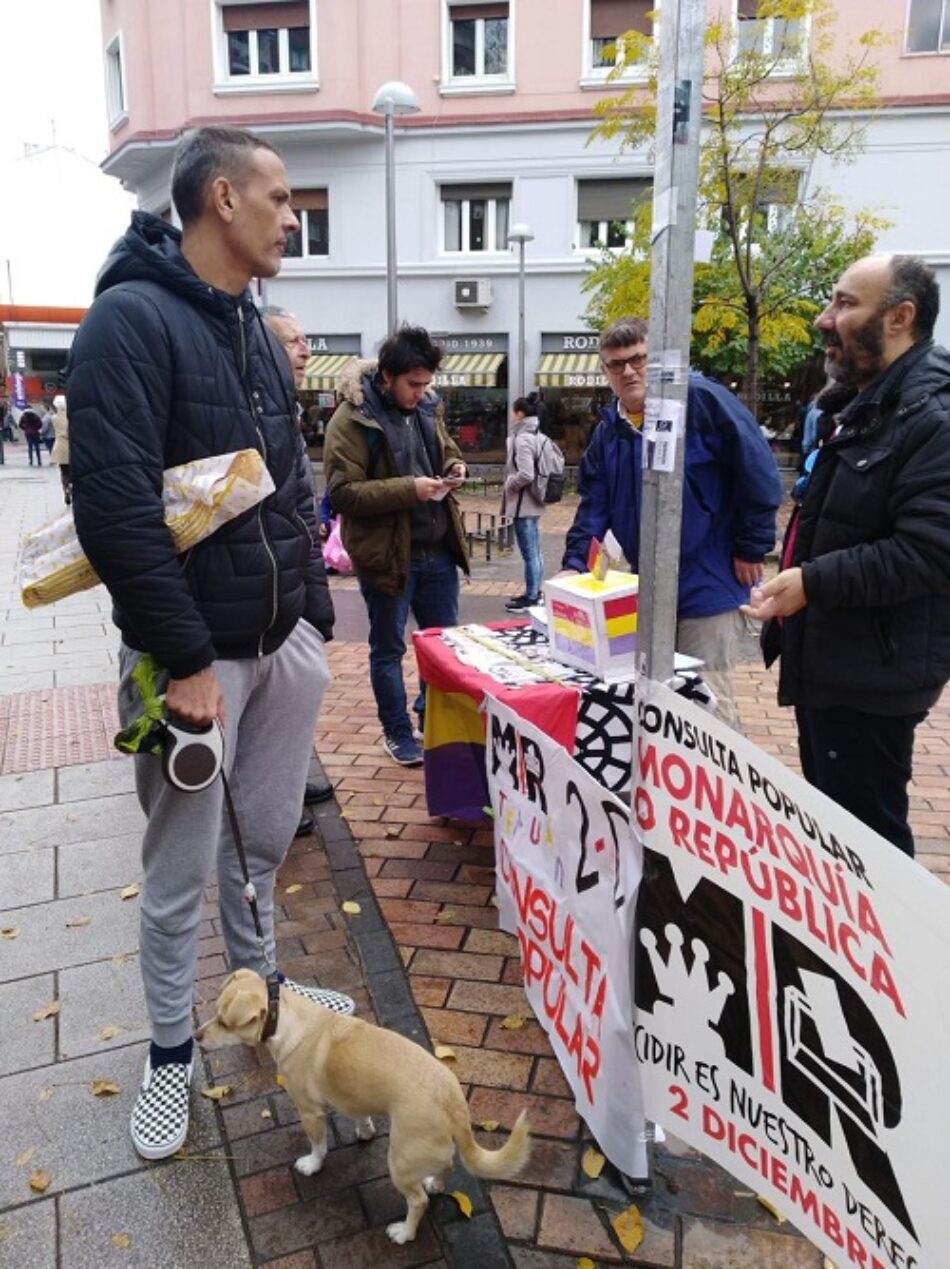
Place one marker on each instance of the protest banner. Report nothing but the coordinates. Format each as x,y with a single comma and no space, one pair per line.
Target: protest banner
567,875
790,976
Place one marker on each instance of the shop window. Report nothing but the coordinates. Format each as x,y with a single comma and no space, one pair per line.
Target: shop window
116,102
475,217
605,211
928,26
311,207
265,42
780,40
608,20
478,43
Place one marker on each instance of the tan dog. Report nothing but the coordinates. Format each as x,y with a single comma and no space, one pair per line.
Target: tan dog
334,1062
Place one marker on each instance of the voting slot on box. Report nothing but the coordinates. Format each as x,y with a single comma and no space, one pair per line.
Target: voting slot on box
592,623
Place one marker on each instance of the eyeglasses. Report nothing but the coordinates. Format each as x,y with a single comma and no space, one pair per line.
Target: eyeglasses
617,365
296,339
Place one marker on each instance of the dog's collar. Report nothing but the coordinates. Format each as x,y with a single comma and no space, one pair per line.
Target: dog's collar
273,1008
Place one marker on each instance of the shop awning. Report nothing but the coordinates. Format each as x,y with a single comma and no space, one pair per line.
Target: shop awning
469,370
322,370
570,370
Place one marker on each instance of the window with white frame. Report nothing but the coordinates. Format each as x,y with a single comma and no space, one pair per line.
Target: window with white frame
475,217
266,41
778,39
606,208
479,47
311,207
115,80
609,19
928,26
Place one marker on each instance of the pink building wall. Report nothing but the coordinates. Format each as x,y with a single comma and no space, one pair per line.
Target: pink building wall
361,43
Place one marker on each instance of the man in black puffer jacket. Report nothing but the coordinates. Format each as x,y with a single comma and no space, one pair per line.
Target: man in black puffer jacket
172,364
864,593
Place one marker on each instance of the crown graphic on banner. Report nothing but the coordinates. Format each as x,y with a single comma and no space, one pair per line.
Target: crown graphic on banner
687,989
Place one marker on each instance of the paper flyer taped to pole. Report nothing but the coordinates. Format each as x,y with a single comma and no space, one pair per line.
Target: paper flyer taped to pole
662,428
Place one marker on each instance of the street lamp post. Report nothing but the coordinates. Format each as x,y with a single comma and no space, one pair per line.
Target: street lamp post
393,98
520,234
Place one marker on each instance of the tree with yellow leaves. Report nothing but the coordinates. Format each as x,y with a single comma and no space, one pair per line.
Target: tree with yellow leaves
779,92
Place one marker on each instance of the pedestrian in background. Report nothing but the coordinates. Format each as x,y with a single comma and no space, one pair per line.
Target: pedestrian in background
520,501
47,431
60,451
31,425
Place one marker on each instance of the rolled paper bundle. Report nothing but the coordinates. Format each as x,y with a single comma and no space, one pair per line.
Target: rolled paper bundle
198,498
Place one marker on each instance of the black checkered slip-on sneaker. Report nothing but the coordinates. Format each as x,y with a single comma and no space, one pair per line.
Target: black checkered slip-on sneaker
160,1114
334,1000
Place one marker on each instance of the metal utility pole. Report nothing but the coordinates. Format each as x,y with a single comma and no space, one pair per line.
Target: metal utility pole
675,189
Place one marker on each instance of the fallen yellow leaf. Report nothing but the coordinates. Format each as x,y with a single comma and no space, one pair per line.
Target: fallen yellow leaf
514,1022
26,1156
40,1180
104,1088
217,1091
447,914
592,1163
464,1202
76,922
109,1032
628,1226
392,832
771,1208
377,801
445,1053
585,1262
827,1264
351,906
10,931
130,891
294,889
494,901
281,1080
45,1094
490,1125
48,1011
265,1114
122,1241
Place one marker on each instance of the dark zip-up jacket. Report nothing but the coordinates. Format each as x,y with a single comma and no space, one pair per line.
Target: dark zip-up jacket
166,369
731,492
873,542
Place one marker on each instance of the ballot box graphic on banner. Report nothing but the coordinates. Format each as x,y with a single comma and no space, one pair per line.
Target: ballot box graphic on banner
790,968
567,872
593,623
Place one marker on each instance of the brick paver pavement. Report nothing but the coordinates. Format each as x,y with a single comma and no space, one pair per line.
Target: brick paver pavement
423,955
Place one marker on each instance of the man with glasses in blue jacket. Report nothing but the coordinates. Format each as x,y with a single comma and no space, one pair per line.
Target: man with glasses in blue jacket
731,492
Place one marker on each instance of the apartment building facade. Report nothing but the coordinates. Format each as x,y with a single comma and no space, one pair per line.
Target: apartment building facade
506,90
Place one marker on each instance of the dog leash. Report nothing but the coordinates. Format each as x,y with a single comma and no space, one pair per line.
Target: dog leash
250,898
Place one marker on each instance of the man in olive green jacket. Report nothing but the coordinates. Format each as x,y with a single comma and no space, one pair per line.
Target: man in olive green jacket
391,467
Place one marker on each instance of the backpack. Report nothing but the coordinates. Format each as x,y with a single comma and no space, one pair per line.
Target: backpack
548,485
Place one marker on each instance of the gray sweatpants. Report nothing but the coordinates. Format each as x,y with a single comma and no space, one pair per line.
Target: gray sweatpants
271,708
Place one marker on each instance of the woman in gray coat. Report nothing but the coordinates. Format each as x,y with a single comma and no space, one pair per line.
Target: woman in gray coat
520,500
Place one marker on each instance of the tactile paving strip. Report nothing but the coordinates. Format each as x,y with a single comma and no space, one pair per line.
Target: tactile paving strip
57,727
